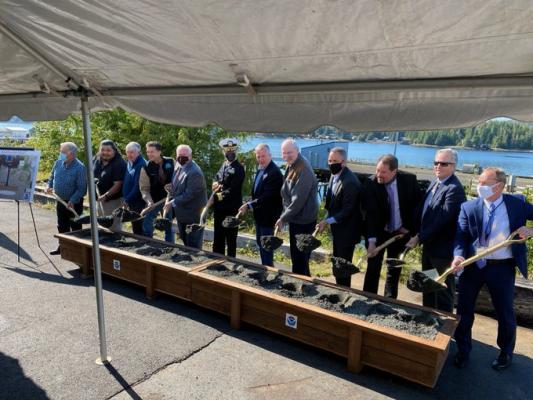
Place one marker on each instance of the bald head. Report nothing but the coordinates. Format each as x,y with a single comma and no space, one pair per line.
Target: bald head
289,151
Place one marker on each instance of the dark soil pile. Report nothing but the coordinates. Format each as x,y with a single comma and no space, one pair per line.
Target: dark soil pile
343,268
420,282
307,243
270,243
231,222
402,318
164,252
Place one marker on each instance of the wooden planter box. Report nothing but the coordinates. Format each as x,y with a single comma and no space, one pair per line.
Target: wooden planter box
362,343
157,276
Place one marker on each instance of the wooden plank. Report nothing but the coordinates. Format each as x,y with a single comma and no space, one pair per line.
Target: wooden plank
150,281
355,344
235,309
309,333
332,315
394,364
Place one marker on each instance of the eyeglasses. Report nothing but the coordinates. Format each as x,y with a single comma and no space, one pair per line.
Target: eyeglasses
442,164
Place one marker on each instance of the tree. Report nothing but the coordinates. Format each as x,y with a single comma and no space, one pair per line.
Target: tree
124,127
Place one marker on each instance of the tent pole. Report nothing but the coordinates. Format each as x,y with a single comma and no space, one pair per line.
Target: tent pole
85,115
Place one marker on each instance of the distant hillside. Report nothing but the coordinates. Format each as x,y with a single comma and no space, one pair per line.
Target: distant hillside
501,134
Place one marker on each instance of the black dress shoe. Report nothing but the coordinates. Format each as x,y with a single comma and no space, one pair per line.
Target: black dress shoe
55,252
461,360
502,362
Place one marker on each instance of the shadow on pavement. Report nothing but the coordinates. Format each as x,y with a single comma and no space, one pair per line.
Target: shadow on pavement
11,246
120,379
16,385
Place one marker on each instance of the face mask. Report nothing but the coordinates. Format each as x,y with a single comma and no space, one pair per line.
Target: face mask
485,191
182,160
335,168
230,156
62,156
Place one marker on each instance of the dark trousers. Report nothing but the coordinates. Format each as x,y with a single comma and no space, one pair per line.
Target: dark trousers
64,217
500,280
373,270
300,259
267,257
442,299
346,252
224,236
193,239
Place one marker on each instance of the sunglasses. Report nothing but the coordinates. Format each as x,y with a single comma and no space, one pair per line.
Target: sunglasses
442,164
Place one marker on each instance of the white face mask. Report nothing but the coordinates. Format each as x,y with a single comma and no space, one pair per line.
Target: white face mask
485,191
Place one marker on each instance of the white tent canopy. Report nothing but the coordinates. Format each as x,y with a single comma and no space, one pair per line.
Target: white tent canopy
358,65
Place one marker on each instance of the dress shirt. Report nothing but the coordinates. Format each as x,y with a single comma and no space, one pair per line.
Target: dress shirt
500,228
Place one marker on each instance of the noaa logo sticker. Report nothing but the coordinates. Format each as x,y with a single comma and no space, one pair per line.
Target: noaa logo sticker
116,265
291,321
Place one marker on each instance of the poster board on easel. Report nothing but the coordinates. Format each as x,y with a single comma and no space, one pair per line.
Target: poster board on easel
18,173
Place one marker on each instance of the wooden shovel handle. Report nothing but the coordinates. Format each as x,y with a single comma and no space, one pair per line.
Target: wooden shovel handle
66,205
276,231
315,232
489,250
388,242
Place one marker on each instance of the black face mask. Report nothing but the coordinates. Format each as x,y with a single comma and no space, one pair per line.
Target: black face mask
182,160
335,168
230,156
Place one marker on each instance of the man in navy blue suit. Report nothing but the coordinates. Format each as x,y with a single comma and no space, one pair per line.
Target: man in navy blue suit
436,223
266,199
485,222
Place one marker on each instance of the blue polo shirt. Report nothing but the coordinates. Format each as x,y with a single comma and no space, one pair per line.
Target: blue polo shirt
69,181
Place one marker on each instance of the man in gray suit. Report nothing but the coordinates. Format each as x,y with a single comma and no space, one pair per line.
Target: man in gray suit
188,195
300,202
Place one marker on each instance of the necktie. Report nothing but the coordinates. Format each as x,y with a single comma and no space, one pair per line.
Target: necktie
258,177
392,203
485,236
430,196
176,177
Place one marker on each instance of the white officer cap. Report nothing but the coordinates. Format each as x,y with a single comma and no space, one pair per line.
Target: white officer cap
229,144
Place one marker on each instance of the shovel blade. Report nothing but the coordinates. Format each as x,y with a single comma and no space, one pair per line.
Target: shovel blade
82,219
270,242
162,224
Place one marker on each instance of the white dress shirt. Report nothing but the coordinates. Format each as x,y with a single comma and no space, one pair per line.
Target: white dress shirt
500,228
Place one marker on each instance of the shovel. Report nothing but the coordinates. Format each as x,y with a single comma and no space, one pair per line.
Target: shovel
398,262
271,242
104,220
162,224
78,219
126,215
307,243
343,268
379,248
203,217
232,222
430,280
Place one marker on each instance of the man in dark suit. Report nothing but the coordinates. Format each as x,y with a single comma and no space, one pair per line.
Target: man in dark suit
343,206
388,198
228,198
436,222
266,199
485,222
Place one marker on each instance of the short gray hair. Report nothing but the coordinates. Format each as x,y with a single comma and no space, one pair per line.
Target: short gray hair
452,152
340,151
500,174
133,146
71,147
291,142
186,147
263,146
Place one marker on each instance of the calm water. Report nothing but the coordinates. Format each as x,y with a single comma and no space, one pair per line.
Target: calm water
516,163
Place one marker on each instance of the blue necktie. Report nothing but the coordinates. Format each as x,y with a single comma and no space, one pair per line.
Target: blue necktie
485,236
